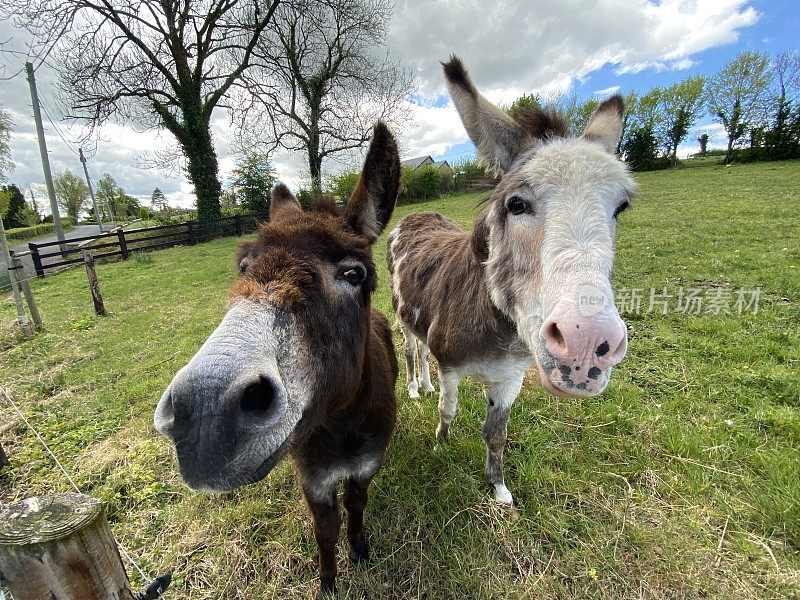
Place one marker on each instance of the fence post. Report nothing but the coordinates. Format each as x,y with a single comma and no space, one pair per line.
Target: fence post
190,232
37,260
4,462
60,547
19,273
238,219
123,247
94,287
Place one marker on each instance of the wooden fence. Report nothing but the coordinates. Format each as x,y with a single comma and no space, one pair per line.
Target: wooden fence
51,256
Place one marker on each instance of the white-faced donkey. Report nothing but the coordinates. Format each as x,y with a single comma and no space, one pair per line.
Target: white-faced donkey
301,364
530,284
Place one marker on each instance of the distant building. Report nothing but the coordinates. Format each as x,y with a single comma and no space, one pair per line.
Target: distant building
421,161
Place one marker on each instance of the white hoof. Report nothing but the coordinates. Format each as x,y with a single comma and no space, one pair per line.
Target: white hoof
428,388
413,393
502,495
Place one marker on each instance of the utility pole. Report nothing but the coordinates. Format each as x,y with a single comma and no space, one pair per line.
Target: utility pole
48,177
91,190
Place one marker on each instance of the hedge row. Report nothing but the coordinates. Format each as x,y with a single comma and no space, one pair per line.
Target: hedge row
28,233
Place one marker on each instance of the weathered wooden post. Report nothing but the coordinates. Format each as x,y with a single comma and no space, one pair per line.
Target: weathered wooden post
37,260
60,548
190,232
94,287
123,245
19,273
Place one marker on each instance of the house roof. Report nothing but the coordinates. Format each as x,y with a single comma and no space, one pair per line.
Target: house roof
442,163
415,162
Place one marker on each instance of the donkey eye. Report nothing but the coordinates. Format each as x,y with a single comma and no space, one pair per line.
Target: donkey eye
516,205
354,276
621,207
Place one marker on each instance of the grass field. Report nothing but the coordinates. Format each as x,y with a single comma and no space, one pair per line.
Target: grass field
681,481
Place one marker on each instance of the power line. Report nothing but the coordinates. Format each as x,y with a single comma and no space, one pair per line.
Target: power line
56,128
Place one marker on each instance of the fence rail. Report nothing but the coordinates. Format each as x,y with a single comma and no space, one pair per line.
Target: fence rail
49,257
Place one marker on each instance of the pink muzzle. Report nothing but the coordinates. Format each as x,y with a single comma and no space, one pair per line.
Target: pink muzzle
580,351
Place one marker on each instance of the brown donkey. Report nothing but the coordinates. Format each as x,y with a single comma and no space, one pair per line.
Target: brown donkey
301,364
530,284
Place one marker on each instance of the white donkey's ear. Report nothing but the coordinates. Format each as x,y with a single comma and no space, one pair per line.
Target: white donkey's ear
605,124
497,136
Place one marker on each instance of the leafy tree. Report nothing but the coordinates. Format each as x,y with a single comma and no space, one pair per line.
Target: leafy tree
111,199
703,141
5,151
736,95
153,63
13,215
158,200
324,81
630,100
524,101
681,106
781,141
344,184
71,193
641,150
253,179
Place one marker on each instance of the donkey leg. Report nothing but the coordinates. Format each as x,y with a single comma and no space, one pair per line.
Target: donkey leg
448,403
325,513
500,396
425,367
355,500
411,362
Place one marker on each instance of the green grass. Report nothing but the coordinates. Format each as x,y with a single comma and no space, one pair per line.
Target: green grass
621,496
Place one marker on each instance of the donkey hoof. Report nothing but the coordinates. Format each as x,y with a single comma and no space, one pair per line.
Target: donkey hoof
502,495
413,393
327,588
359,551
428,389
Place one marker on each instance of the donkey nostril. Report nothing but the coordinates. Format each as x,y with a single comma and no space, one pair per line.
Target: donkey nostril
554,333
258,398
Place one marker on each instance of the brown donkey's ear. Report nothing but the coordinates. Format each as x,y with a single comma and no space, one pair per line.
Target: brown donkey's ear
282,199
372,202
496,135
605,124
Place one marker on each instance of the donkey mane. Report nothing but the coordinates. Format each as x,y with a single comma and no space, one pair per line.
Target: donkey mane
543,123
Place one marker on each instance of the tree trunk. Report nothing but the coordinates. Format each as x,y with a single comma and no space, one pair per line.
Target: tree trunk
203,173
729,153
315,164
60,548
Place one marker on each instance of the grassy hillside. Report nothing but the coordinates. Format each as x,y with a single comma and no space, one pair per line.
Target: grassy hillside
681,481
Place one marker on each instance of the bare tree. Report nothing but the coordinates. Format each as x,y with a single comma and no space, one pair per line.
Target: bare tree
323,80
155,63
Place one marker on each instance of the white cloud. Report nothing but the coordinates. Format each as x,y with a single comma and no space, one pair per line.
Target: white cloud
511,47
606,91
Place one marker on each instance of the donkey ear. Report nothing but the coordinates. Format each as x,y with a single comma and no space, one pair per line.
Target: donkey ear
605,124
372,202
496,135
282,200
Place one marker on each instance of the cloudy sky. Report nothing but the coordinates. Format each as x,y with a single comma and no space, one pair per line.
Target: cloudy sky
587,47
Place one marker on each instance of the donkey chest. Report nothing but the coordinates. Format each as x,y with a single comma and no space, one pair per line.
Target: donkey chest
334,458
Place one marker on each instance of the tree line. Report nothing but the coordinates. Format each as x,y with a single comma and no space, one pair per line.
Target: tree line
755,97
